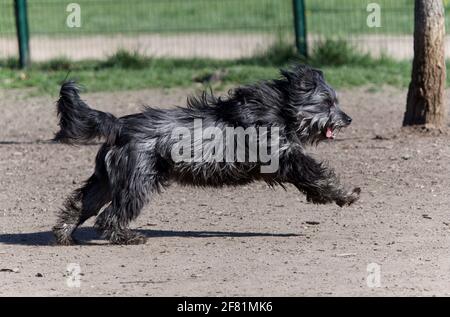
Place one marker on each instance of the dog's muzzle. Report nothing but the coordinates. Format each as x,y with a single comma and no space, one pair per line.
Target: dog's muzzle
341,120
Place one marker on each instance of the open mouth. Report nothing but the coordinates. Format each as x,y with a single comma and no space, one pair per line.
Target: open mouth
330,133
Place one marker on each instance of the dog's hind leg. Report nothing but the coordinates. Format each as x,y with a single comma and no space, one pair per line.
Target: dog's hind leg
134,179
84,203
113,222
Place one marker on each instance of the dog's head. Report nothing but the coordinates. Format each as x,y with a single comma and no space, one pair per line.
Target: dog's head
315,104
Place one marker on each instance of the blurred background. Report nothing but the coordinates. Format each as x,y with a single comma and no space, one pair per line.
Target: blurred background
242,40
222,29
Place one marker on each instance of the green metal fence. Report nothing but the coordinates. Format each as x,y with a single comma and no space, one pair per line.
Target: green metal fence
180,28
223,29
356,22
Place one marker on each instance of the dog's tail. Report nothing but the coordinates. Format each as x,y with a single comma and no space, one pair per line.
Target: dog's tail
78,122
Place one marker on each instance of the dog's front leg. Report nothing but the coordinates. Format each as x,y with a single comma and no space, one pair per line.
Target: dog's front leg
317,181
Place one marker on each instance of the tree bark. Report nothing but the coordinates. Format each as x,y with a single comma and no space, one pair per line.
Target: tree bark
425,102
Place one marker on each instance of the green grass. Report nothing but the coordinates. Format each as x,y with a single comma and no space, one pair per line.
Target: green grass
343,67
163,74
108,16
100,76
347,17
326,17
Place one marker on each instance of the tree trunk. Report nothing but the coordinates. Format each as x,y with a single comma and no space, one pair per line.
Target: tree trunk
425,103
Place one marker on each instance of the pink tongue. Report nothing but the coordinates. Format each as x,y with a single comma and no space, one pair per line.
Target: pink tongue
329,133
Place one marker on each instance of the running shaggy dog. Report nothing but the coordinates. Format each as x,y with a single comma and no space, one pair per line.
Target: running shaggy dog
141,152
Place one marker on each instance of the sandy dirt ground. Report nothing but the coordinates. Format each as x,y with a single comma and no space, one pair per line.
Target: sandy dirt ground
222,46
206,45
250,240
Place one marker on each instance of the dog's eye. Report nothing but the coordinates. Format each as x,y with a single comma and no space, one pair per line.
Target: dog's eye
334,103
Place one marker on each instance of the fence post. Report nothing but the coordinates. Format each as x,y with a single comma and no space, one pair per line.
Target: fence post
300,27
20,10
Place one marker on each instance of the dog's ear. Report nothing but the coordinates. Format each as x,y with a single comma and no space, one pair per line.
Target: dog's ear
319,72
301,77
294,72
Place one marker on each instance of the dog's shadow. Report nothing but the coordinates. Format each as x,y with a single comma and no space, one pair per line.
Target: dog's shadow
88,236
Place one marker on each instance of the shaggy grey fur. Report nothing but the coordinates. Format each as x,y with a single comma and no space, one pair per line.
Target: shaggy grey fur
135,160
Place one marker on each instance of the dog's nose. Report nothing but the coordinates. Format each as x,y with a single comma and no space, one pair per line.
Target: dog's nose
347,120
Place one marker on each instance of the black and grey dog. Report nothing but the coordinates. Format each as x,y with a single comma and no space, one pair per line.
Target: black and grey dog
137,157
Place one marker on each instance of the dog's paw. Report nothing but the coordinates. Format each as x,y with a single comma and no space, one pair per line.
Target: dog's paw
128,237
137,239
319,200
349,198
65,241
63,235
